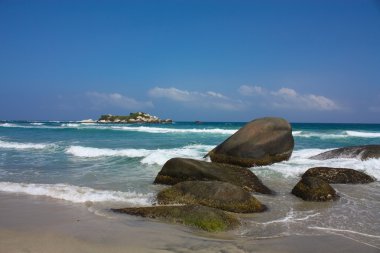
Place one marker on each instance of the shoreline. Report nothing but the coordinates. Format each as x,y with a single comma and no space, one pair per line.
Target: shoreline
41,224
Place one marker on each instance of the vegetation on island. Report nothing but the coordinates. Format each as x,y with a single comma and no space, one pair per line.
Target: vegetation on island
135,117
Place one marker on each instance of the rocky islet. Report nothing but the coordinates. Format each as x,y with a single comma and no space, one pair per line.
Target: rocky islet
136,117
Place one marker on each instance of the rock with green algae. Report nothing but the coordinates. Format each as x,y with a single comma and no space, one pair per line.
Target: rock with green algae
184,169
260,142
339,175
215,194
202,217
314,189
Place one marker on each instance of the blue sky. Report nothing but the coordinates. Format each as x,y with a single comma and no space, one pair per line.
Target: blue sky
307,61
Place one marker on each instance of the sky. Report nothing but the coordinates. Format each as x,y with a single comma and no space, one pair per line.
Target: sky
306,61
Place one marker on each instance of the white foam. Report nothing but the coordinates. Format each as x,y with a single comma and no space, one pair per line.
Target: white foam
339,135
305,134
20,145
300,162
291,217
37,123
8,125
156,156
70,125
76,194
160,156
31,125
363,134
98,152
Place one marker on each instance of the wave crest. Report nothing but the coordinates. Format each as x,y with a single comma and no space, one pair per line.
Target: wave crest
340,135
20,145
300,162
163,130
156,156
76,194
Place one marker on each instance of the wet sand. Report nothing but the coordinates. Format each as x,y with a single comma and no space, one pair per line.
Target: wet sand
37,224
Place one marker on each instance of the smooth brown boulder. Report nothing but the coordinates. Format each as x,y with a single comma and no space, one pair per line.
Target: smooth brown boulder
339,175
360,152
206,218
260,142
314,189
183,169
215,194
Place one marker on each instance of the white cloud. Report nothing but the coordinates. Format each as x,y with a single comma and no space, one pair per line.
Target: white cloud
209,99
215,94
285,93
289,98
171,93
100,100
247,90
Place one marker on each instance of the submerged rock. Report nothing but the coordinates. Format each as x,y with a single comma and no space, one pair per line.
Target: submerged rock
339,175
314,189
206,218
183,169
215,194
360,152
260,142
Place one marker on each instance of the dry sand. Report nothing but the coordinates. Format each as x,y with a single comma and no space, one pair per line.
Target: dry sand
35,224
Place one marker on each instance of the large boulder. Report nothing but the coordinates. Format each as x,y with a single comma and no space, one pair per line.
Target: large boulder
215,194
314,189
360,152
183,169
206,218
260,142
339,175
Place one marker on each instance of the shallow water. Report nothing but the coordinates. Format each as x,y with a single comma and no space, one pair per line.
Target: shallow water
114,165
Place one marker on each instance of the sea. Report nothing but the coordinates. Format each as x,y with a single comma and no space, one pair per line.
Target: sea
114,165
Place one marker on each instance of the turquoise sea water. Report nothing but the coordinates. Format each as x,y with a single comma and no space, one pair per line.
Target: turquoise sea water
115,164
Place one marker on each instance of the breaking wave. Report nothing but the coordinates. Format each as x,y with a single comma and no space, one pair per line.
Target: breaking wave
162,130
76,194
300,162
20,145
156,156
343,134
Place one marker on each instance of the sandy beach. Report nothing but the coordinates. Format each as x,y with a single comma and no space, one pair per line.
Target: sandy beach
37,224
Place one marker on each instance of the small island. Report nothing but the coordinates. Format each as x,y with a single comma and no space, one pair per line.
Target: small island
135,117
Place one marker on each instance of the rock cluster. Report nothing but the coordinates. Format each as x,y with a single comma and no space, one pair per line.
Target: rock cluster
314,185
203,194
207,190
